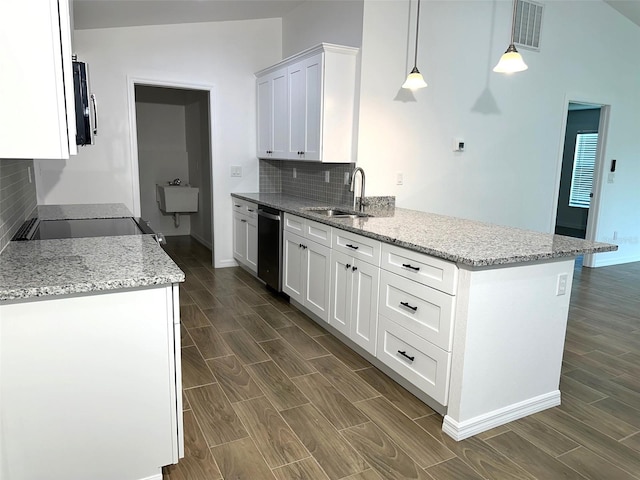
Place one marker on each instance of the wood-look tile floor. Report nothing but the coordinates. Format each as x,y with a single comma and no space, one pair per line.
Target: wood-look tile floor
269,394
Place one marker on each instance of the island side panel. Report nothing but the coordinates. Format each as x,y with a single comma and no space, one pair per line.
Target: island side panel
508,344
86,386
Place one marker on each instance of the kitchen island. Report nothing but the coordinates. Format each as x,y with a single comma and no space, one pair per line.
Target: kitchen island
469,316
90,375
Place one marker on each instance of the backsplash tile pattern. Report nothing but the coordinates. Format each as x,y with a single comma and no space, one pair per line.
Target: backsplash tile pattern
276,176
17,197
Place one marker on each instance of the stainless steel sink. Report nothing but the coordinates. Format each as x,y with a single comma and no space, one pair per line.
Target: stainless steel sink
337,213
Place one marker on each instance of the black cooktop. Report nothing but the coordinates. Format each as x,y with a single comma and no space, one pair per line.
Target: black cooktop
93,227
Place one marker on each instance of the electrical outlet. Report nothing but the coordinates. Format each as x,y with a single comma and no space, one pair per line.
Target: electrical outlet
326,176
399,178
561,288
295,173
346,178
236,171
458,145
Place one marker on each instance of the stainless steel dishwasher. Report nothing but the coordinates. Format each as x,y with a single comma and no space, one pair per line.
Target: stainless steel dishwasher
270,247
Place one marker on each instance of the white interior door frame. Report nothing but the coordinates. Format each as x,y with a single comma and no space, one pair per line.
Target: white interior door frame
132,82
598,172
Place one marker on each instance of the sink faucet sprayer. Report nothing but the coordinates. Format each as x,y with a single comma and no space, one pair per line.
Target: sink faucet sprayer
351,189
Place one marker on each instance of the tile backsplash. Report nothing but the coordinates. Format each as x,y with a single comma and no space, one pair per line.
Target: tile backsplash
277,176
17,197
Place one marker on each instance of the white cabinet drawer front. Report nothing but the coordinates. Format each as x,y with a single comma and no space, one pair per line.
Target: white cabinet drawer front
294,224
357,246
420,362
318,232
420,309
427,270
244,207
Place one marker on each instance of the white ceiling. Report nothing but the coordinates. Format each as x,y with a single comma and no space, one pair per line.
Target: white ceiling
129,13
628,8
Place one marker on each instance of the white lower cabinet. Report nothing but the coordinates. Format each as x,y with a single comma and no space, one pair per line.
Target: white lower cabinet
245,234
419,361
90,386
354,299
306,271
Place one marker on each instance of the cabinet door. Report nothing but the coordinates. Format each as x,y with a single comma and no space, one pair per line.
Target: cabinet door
36,84
239,237
264,101
252,244
305,108
341,277
272,115
364,305
292,271
317,275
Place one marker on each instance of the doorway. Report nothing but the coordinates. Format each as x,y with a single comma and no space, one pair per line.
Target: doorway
578,167
173,141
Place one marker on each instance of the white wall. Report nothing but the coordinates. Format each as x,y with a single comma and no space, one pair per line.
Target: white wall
162,156
222,55
329,21
509,173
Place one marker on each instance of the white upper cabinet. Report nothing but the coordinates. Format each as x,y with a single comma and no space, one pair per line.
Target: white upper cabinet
273,126
37,112
307,114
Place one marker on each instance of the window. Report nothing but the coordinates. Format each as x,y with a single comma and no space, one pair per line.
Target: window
584,161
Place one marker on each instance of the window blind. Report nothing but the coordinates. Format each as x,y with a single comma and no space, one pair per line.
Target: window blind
583,165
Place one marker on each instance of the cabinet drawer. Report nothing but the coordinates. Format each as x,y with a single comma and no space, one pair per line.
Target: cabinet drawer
418,308
244,207
294,224
318,232
420,362
357,246
431,271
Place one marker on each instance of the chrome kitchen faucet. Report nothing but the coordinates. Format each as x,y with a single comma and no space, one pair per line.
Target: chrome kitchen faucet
351,189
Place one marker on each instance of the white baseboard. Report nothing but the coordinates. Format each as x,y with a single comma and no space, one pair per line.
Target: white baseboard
226,263
157,476
461,430
602,261
201,240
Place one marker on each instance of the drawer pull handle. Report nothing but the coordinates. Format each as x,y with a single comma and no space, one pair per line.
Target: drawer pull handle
353,269
355,247
237,205
405,304
249,210
408,265
243,221
404,354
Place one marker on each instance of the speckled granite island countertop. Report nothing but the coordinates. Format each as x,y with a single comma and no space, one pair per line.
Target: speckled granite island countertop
40,268
466,242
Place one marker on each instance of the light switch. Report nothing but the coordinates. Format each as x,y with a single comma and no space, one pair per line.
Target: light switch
236,171
399,178
611,178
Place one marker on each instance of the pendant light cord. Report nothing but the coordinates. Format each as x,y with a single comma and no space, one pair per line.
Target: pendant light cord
513,20
415,58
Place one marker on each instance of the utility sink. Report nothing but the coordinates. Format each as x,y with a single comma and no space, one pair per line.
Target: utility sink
337,213
177,198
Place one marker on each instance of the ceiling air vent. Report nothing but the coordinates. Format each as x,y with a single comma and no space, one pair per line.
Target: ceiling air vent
528,24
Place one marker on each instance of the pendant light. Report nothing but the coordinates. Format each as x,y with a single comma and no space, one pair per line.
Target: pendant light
511,61
414,79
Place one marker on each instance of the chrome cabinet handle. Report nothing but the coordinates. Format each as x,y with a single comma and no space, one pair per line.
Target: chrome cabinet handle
405,304
408,357
95,113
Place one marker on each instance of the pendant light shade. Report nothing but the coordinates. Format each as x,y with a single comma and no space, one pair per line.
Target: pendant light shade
511,61
415,80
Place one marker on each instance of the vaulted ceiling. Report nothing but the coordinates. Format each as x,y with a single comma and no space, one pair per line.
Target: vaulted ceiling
128,13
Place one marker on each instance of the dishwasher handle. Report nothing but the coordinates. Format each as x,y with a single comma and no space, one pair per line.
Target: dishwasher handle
270,216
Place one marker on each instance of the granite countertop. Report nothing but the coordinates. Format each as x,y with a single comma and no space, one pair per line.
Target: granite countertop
41,268
466,242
